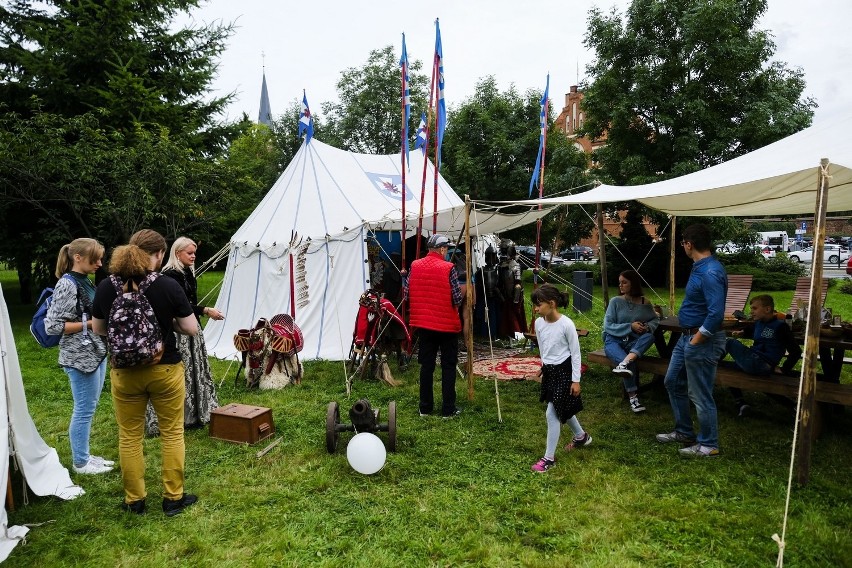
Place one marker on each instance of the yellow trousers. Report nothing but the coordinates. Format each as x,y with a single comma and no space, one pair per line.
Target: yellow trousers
131,390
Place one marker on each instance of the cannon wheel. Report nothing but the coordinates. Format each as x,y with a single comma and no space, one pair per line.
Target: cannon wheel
392,426
332,419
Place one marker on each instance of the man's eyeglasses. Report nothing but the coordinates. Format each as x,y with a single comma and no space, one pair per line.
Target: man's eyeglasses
683,243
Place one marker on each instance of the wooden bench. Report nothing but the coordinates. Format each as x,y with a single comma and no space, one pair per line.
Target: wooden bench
832,393
739,288
803,292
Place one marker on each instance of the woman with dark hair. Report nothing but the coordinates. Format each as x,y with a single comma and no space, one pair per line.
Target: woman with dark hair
629,325
200,388
82,353
161,383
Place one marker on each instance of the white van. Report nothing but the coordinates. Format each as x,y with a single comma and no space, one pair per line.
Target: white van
776,240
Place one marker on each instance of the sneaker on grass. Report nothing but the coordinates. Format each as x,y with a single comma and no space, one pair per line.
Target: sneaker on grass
675,436
92,467
635,405
699,451
580,442
543,465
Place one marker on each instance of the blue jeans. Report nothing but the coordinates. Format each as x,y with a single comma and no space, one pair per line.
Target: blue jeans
690,376
86,390
617,348
747,360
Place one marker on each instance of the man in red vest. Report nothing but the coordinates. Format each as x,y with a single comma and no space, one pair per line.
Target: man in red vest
434,296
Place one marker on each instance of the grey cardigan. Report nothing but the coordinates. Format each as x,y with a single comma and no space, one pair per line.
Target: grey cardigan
81,351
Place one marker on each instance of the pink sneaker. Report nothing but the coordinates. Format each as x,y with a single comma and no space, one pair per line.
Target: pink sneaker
542,465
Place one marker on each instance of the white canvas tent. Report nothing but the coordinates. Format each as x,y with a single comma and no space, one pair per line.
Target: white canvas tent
778,179
331,200
39,463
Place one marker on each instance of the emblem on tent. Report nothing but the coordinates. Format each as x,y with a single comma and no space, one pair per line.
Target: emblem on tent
389,185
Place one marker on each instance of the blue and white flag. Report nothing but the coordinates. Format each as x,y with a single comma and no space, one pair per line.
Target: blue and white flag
420,140
406,100
542,121
306,120
442,106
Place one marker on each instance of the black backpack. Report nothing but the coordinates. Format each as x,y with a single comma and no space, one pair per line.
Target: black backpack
134,337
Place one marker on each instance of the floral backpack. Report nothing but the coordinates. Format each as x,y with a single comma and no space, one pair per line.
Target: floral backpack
134,337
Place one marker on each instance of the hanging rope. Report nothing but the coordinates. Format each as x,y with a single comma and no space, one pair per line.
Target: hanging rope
487,321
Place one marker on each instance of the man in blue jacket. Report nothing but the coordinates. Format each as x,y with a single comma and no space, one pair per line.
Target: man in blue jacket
692,369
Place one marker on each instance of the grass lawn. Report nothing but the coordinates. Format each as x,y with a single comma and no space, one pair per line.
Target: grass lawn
457,492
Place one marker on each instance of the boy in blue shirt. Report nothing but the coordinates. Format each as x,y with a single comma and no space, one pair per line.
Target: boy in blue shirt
771,338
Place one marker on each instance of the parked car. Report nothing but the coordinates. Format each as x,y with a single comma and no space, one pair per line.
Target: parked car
727,248
577,252
833,254
765,250
526,257
849,266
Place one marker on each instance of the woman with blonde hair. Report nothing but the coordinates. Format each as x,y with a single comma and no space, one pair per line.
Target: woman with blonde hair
200,388
82,353
161,383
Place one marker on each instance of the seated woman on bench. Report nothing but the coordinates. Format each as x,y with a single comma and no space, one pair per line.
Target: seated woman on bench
772,338
629,326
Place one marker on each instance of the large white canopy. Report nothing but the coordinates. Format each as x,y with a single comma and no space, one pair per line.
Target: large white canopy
331,200
778,179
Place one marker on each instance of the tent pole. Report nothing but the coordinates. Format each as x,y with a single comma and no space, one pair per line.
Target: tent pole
808,380
672,266
601,254
468,306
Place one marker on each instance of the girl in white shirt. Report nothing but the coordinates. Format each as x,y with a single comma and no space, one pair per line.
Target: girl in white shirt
560,372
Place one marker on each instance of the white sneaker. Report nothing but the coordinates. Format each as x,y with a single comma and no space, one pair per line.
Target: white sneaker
102,461
635,405
622,370
92,467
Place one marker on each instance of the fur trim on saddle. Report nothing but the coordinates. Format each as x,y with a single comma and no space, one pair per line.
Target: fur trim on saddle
270,353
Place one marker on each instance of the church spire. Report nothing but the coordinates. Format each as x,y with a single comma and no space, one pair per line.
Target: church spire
265,114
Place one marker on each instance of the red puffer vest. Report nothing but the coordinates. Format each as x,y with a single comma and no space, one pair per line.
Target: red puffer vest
430,296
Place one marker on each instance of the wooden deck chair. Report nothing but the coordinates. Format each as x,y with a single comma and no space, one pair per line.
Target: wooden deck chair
739,288
803,292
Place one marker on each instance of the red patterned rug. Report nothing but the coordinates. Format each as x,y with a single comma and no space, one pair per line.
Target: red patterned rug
508,369
518,368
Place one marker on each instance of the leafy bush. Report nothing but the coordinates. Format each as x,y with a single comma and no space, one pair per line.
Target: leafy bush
776,273
566,271
844,285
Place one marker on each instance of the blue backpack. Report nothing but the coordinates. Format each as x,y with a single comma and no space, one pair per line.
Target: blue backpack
37,326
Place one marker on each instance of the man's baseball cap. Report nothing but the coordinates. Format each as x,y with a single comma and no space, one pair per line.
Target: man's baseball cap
438,241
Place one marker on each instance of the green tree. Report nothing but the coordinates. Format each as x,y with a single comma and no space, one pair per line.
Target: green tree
62,178
683,85
123,57
678,86
122,96
368,117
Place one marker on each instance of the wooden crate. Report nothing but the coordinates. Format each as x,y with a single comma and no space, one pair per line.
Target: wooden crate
241,423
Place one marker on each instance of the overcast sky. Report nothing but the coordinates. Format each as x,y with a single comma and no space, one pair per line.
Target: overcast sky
308,43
